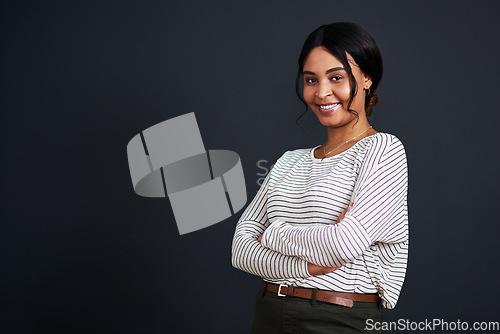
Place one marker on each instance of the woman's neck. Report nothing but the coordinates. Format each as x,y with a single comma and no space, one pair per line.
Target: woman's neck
339,135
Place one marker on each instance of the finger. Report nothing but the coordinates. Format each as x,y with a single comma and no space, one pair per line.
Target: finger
330,269
342,215
345,210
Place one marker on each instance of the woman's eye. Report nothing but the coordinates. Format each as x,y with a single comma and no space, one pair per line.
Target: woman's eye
336,78
310,80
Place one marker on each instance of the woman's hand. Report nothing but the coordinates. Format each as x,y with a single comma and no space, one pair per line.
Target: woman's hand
318,270
342,215
314,269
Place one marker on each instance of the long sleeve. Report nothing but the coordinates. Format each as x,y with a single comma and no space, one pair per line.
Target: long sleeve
379,214
249,255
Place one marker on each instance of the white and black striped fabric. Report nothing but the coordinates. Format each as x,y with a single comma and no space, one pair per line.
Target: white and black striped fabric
296,210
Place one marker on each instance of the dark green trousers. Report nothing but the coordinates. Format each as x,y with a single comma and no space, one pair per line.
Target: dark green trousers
292,315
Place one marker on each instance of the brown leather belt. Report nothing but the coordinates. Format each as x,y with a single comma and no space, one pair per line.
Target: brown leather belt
339,298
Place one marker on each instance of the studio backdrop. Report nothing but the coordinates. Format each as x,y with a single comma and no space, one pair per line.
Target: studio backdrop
84,251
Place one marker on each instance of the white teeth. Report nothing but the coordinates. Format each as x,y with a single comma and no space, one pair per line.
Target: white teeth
328,107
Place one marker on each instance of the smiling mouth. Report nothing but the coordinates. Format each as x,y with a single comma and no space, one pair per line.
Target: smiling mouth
328,107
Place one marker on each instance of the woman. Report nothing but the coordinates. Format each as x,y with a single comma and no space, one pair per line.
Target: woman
328,229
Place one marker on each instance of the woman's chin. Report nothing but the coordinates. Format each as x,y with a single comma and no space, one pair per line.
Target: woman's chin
336,122
328,122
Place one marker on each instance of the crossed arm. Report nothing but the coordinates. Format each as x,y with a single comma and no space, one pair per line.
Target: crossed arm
279,250
248,253
315,269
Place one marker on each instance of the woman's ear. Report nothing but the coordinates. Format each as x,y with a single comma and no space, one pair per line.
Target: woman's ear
367,81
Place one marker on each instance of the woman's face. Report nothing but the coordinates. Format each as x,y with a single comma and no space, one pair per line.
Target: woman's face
327,89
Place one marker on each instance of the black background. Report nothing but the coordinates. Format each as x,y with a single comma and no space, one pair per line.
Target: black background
82,253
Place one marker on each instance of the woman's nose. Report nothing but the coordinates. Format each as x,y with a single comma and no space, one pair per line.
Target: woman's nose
323,91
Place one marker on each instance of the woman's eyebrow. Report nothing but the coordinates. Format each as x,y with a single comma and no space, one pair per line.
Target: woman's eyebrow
328,71
335,69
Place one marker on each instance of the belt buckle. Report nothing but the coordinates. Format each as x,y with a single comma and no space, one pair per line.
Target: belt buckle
279,290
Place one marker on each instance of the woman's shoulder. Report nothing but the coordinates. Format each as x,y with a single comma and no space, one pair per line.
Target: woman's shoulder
288,161
381,149
382,142
384,137
376,149
294,155
298,152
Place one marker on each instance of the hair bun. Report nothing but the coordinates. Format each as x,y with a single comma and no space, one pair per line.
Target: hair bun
370,102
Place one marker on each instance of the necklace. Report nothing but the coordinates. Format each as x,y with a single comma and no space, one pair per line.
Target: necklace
324,151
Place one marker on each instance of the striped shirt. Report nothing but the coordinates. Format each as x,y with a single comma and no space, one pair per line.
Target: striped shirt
296,210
